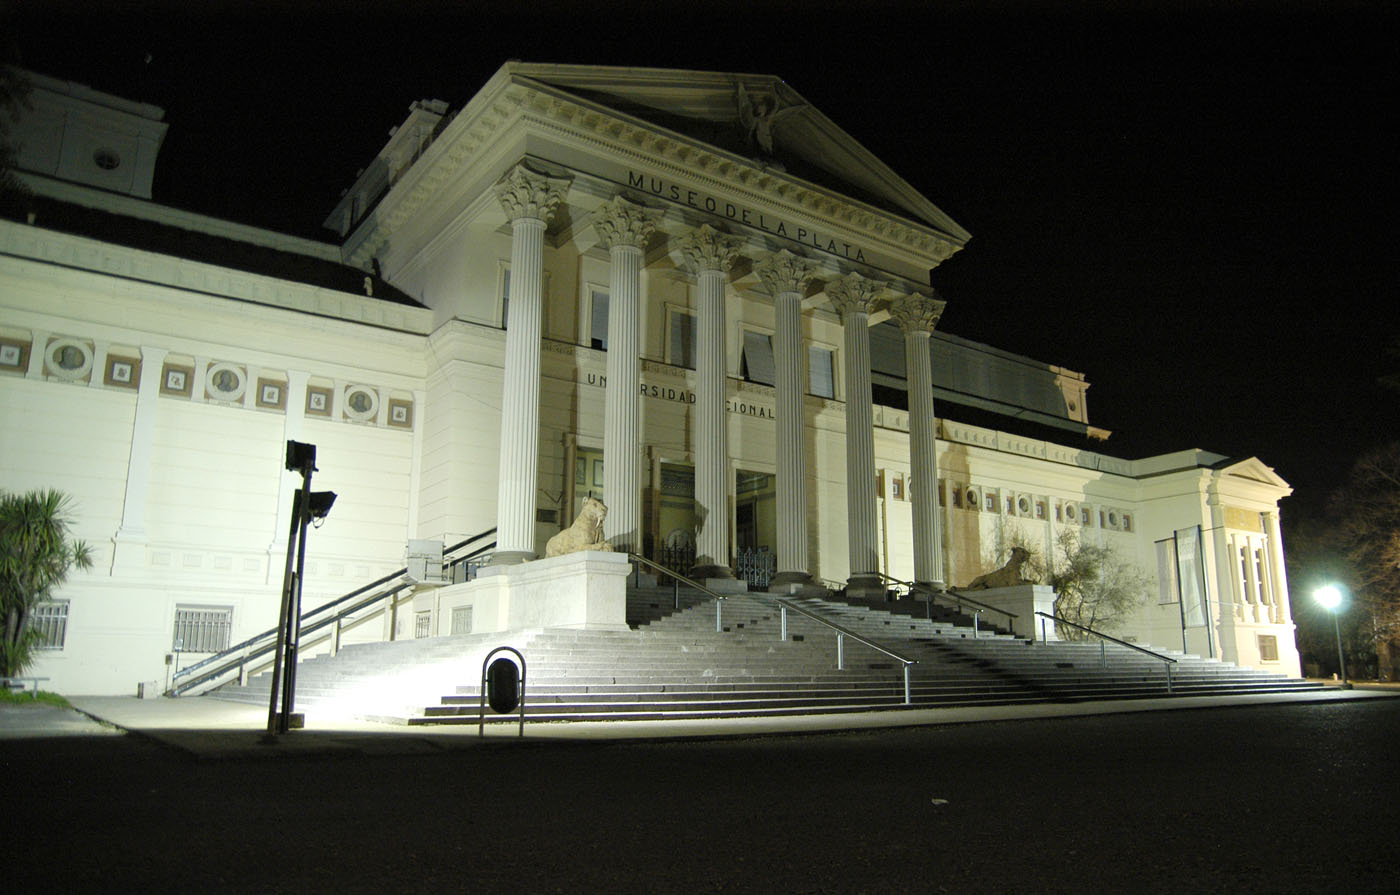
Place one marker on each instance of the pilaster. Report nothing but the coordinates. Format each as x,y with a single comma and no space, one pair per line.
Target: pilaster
708,254
529,199
623,228
786,277
854,296
917,316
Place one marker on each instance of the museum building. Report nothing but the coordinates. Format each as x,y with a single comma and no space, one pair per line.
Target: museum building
688,294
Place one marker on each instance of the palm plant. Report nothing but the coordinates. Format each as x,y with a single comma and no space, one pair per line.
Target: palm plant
36,554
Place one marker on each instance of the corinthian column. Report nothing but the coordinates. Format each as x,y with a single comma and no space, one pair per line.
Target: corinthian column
529,199
917,316
708,254
853,296
623,229
786,276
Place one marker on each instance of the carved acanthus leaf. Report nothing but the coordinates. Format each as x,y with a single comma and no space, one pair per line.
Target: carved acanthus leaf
783,271
622,222
917,312
705,248
854,294
525,193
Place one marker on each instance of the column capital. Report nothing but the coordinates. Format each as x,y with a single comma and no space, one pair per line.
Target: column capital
917,312
706,248
526,193
622,222
853,293
783,271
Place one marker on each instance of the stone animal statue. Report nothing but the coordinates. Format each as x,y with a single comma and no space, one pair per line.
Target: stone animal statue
585,534
1008,575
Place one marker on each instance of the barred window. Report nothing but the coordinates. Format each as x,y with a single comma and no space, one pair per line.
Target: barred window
202,629
1268,648
50,621
422,625
462,620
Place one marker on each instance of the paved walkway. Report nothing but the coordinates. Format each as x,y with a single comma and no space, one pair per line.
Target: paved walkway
217,729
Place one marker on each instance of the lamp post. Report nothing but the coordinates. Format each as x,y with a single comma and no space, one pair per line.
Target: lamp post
1330,598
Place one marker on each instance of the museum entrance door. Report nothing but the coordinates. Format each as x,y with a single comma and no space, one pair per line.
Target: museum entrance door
675,517
755,527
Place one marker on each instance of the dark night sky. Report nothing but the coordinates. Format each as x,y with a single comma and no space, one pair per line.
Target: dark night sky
1194,204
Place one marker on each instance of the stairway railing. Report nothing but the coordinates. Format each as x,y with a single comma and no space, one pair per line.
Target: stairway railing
1167,661
238,657
784,605
957,599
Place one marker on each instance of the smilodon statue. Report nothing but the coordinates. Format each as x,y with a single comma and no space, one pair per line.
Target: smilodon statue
585,534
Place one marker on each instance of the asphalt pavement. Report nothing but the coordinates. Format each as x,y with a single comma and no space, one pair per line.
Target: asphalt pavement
1249,795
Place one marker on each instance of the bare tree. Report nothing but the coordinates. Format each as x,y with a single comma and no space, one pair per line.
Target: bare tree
1366,511
1095,585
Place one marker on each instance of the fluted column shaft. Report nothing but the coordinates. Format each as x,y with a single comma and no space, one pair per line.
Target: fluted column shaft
708,254
623,228
853,296
917,316
786,276
529,199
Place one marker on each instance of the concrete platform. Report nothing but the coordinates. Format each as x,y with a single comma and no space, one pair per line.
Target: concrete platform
218,729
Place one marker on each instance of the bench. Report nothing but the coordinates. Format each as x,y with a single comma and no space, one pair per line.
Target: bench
19,684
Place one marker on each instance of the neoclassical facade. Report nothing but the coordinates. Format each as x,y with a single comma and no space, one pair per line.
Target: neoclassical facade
688,294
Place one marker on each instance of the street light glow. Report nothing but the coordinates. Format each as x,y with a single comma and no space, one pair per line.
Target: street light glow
1328,596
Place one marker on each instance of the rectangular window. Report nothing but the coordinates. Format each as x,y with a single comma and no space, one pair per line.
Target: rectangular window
505,297
598,320
957,496
897,486
992,502
1085,516
422,625
757,362
1268,648
1059,511
821,374
681,343
462,620
50,622
1127,522
202,629
1259,576
1040,509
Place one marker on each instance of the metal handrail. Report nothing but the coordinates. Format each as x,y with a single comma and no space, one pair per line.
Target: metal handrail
841,632
240,653
1167,661
953,595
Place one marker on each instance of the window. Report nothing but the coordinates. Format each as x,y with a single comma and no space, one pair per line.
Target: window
681,343
1040,509
422,624
942,495
462,620
897,486
202,629
756,365
1127,522
974,500
991,501
505,296
821,375
598,320
957,497
1059,512
1268,648
50,622
1086,516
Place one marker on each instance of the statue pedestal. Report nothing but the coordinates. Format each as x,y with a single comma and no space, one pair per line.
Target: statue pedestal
1025,600
578,590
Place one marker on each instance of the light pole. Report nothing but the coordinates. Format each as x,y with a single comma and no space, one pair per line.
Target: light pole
1330,598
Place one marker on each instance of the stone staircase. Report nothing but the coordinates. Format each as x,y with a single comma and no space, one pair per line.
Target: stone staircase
673,664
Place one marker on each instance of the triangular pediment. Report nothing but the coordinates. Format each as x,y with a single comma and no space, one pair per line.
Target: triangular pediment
752,115
1255,470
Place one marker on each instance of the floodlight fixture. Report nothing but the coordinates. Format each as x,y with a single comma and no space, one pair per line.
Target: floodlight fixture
318,504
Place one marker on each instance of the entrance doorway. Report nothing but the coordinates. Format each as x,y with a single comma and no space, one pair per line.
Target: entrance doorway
755,527
675,517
